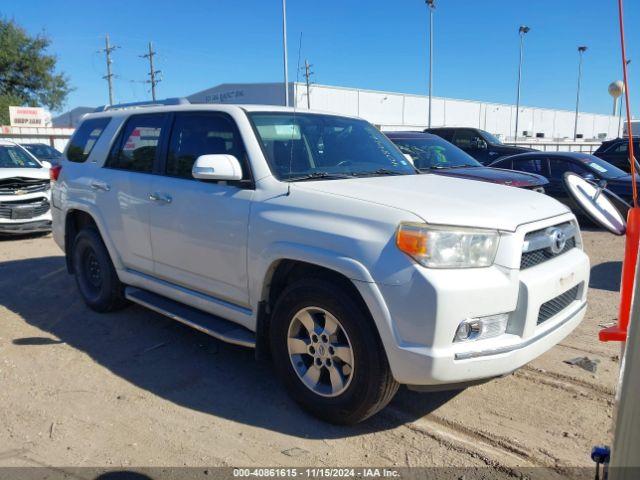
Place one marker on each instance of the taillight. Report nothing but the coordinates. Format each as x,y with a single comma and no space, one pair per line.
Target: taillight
54,172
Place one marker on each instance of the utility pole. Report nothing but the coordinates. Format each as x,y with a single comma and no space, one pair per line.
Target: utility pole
307,76
153,80
581,50
432,6
108,48
284,48
522,31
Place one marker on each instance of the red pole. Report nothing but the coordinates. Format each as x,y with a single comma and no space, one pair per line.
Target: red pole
619,332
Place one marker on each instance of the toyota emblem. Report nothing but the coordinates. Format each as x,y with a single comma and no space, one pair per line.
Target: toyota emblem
558,240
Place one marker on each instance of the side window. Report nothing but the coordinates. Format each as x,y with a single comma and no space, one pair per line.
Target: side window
85,138
621,148
465,138
139,147
445,133
507,164
559,167
196,134
531,165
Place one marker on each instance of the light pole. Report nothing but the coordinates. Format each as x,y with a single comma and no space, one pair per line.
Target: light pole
432,6
581,50
522,31
284,48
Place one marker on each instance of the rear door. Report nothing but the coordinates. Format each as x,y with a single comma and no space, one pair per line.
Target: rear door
123,187
199,229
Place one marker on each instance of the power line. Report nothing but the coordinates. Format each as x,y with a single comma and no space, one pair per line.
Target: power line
153,74
307,76
108,48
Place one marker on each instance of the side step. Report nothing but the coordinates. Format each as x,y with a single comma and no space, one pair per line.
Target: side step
205,322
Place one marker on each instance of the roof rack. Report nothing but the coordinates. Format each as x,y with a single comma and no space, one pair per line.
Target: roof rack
123,106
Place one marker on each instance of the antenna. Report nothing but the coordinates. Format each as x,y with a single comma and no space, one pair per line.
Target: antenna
295,103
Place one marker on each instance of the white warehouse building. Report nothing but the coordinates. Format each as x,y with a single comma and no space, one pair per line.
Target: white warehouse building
398,111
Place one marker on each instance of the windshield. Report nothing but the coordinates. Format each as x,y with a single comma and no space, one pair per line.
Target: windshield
490,138
603,169
16,157
310,146
434,153
43,151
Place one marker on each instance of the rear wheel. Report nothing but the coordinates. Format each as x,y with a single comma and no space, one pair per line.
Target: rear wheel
95,275
327,353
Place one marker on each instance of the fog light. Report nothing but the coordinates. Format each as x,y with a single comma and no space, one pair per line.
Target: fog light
481,327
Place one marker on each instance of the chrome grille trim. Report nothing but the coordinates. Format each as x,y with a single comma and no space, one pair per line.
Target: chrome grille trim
536,248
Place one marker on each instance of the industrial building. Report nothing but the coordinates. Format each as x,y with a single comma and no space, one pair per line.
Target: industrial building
397,111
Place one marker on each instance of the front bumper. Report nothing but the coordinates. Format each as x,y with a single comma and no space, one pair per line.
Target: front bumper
25,227
424,313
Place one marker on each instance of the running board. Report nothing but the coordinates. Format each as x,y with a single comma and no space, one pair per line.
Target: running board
204,322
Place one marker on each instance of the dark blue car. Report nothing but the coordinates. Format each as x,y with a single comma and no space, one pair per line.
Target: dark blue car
553,165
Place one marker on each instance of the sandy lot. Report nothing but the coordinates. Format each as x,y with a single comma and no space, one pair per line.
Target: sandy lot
136,389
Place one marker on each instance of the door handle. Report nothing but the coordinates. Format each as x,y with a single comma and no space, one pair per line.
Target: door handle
160,198
104,187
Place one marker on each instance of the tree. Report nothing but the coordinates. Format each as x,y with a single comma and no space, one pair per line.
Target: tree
27,73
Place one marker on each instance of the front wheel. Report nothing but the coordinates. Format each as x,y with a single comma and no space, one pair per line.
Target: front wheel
327,353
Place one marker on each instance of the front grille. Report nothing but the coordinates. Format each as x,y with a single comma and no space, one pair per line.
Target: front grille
40,206
556,305
537,248
9,186
530,259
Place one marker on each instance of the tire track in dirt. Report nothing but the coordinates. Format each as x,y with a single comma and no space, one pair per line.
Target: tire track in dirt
565,382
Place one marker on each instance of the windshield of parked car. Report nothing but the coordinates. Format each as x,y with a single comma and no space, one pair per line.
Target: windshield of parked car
602,168
42,151
433,153
16,157
490,138
304,146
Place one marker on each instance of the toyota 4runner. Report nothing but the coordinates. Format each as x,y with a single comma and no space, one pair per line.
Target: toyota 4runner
310,237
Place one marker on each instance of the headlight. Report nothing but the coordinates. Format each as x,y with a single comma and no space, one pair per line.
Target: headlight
447,247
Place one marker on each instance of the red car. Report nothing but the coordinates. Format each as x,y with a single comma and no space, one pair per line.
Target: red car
432,154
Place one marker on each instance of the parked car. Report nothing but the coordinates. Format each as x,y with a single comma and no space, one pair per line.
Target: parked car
553,166
312,237
616,152
480,144
24,191
43,152
432,154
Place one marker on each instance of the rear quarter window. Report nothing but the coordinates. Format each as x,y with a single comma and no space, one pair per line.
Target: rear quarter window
85,138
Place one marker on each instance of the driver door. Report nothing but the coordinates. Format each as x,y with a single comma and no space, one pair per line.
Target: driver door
199,229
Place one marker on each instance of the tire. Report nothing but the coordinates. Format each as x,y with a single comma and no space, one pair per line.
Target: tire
95,275
360,389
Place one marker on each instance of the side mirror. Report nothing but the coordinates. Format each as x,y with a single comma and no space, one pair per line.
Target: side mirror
45,164
217,167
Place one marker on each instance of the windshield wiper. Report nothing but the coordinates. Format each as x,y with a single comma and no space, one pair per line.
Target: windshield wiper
447,167
380,171
318,176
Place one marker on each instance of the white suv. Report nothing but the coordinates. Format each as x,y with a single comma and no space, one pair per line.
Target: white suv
311,237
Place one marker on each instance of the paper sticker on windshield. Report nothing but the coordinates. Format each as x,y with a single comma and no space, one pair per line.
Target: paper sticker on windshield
599,168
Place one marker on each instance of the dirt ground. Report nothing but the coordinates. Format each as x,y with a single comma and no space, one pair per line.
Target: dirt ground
134,388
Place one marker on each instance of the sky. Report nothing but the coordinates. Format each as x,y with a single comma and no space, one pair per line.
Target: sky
380,45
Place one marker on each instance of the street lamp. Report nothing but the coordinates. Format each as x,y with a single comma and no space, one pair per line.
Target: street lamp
284,48
581,50
432,6
522,31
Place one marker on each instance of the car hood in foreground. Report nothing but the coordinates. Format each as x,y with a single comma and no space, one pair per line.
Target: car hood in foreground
495,175
38,173
447,201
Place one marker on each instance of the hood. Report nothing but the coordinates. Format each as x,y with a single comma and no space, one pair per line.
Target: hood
496,175
447,201
38,173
